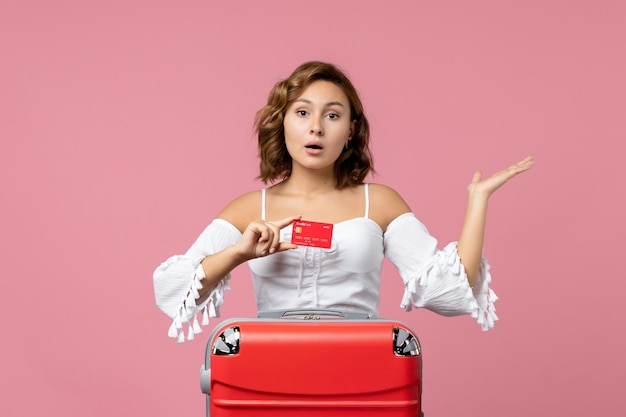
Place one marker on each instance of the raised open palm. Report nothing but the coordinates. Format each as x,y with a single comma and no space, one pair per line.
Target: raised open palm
486,187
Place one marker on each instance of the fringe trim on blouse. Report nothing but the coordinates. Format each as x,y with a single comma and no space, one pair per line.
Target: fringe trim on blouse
480,299
189,310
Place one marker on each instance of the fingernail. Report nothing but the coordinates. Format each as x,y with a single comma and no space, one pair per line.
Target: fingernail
272,250
264,253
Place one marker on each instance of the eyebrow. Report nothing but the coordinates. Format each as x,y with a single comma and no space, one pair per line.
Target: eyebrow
331,103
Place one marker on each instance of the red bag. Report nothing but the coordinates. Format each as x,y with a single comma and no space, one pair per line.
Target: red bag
306,363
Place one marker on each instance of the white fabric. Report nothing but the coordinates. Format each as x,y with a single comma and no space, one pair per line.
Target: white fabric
178,279
435,279
346,276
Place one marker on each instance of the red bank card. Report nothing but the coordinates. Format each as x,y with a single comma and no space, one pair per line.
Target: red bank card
306,233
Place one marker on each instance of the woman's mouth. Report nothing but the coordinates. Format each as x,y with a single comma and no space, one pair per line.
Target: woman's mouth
313,148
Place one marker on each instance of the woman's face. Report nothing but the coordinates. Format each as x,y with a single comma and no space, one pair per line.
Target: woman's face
317,126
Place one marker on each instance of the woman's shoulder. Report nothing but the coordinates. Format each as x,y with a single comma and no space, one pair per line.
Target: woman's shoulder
383,190
385,204
386,195
242,210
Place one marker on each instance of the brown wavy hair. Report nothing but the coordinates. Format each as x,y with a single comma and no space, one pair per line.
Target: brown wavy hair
355,161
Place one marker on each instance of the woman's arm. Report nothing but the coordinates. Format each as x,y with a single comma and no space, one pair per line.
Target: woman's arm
470,245
185,284
258,239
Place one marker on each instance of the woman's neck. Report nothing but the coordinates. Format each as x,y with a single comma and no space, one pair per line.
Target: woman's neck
309,184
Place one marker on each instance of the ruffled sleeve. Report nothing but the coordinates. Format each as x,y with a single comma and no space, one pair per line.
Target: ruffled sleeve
435,279
178,280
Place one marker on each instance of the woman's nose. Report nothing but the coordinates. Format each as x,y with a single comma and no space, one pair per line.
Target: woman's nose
316,128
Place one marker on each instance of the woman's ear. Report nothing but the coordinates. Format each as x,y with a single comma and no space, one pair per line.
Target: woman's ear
352,129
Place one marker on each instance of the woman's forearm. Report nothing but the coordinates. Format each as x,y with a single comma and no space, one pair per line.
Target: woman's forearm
217,266
470,245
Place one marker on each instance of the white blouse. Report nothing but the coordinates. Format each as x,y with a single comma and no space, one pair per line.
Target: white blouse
344,277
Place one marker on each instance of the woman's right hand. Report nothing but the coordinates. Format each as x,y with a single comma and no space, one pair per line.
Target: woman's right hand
262,238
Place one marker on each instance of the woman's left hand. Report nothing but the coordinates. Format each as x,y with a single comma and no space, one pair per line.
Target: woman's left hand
470,245
485,187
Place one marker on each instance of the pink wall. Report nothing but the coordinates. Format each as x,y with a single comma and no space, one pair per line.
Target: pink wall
125,126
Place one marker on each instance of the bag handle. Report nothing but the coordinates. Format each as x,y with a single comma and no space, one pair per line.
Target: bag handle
312,314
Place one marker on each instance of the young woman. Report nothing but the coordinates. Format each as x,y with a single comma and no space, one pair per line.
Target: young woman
314,149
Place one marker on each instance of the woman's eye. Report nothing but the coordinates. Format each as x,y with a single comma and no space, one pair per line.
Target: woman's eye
301,112
333,116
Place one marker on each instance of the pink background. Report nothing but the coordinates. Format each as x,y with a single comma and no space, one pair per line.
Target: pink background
126,126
